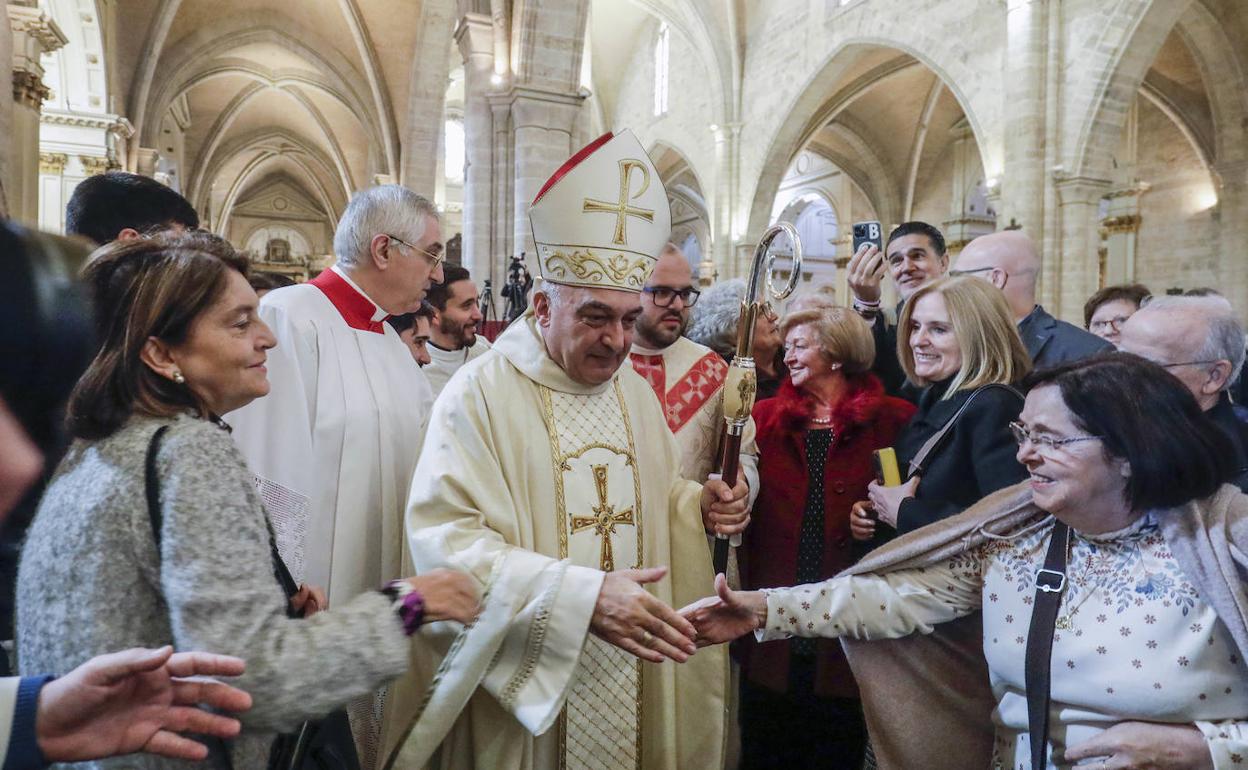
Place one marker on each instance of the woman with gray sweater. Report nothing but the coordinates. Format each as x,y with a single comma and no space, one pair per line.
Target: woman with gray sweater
181,344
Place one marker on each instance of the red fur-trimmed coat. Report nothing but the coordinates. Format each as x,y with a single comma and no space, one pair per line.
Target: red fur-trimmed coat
864,420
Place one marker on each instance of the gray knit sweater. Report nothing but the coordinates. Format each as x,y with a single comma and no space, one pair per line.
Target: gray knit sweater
91,582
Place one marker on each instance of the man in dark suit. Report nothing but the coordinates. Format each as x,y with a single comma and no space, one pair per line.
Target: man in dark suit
1201,342
1009,261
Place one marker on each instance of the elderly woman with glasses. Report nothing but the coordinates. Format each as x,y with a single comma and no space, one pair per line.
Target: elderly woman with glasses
1125,548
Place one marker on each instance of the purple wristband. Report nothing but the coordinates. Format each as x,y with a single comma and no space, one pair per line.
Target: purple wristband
412,611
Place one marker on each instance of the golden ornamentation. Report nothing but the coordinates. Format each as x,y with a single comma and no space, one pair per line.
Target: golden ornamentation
52,162
604,519
533,644
620,208
94,166
1126,223
747,389
590,268
29,90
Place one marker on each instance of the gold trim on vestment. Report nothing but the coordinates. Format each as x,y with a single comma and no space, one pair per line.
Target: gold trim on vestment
559,463
535,642
615,271
451,653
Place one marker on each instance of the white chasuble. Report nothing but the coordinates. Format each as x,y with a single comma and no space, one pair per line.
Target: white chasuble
536,485
598,496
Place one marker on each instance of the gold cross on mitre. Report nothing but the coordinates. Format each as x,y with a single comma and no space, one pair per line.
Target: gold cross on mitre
620,208
604,519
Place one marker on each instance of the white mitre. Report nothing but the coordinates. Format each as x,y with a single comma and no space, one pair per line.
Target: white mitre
603,218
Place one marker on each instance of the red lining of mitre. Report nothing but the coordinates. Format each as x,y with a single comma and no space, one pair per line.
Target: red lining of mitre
572,163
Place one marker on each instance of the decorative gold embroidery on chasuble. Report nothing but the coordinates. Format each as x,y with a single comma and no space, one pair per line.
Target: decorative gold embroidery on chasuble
598,504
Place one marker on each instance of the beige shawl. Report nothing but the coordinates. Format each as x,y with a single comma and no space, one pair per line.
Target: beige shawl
927,698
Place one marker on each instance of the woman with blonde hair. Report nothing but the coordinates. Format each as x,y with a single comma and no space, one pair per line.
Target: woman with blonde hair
958,342
799,702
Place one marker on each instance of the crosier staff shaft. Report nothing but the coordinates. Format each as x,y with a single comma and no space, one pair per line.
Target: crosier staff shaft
741,384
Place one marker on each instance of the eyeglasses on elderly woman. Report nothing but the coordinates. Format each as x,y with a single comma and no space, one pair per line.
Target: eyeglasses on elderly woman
1042,442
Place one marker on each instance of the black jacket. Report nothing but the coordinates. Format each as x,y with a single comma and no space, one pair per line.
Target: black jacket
887,367
1050,342
1223,413
974,459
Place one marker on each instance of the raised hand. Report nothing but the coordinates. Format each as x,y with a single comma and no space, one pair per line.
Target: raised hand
865,271
630,618
137,700
727,615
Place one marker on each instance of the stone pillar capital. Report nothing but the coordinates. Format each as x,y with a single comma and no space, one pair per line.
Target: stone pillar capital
1079,189
474,34
95,166
540,107
34,34
52,162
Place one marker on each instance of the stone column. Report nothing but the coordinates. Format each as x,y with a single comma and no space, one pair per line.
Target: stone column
1077,260
1232,212
542,125
475,37
728,221
1025,94
34,34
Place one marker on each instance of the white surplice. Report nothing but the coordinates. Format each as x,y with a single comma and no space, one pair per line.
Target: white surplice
334,444
444,363
534,483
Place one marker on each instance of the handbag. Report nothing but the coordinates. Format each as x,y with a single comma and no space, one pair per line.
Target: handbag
918,463
321,744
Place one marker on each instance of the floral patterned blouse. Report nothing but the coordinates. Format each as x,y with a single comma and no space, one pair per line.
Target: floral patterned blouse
1134,640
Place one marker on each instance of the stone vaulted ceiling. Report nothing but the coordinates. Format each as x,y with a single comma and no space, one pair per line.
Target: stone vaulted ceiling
233,95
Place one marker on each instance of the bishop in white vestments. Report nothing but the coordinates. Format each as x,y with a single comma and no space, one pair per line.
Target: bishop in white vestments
335,442
550,474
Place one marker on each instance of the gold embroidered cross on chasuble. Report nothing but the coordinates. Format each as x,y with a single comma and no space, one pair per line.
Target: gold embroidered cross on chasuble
598,502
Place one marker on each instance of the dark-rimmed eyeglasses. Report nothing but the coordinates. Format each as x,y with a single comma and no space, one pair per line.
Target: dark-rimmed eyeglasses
663,295
1044,443
436,259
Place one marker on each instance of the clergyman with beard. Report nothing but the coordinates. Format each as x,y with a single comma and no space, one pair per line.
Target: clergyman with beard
453,338
688,378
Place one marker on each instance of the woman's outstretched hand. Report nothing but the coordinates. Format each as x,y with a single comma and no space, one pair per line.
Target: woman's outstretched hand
727,615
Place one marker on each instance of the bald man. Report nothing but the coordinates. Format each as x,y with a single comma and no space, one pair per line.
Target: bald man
1009,261
1201,342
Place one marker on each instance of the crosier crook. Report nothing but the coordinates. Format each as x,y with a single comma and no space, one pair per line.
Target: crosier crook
741,383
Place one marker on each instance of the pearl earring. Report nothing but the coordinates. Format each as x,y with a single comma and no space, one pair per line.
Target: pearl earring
178,378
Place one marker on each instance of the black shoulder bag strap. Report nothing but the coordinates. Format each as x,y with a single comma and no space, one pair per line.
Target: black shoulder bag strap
919,462
1050,584
152,486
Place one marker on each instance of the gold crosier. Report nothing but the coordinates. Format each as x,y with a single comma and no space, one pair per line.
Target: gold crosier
620,208
604,519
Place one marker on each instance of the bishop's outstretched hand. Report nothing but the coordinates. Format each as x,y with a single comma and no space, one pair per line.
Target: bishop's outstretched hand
632,619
